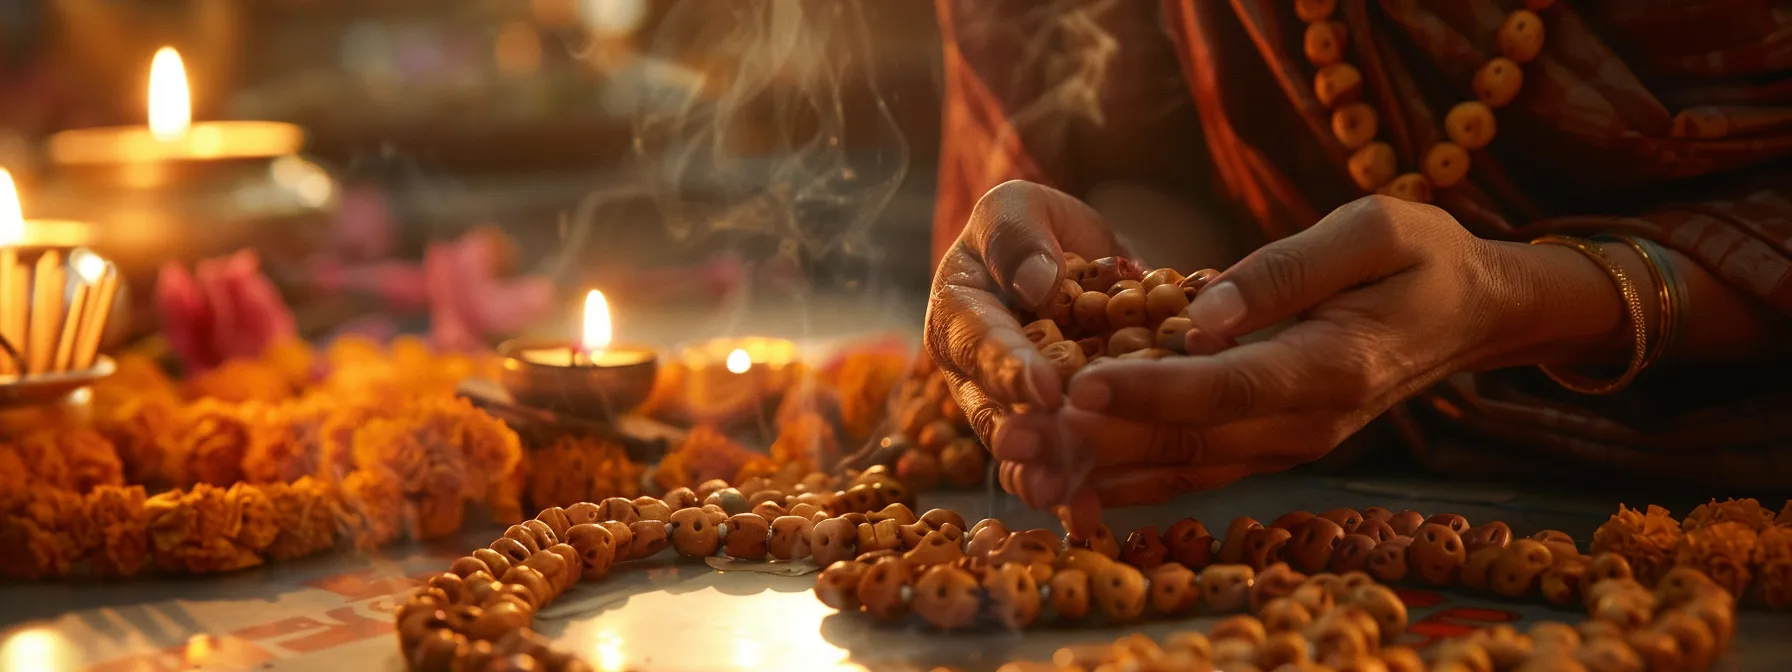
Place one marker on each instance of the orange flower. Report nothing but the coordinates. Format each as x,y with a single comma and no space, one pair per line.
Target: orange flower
1746,511
1785,517
279,450
581,469
241,380
1723,551
207,443
261,523
705,454
41,529
1773,557
865,381
440,505
136,427
198,531
119,514
806,438
309,514
1647,539
75,459
374,509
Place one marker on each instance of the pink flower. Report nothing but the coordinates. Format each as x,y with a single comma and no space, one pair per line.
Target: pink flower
225,308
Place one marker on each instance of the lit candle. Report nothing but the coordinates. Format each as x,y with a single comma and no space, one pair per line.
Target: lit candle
594,376
730,378
171,135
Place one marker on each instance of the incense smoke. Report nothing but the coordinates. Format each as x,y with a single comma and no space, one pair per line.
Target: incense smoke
762,119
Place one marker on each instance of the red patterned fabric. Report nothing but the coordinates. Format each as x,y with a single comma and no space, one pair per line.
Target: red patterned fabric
1590,145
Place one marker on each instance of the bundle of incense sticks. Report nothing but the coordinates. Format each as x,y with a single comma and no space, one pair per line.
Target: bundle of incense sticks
53,310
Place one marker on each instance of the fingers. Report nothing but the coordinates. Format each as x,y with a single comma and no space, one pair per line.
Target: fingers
1020,231
1082,515
969,332
1366,239
1309,365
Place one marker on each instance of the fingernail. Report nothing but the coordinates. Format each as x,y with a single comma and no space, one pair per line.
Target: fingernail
1020,445
1091,395
1217,308
1045,487
1033,280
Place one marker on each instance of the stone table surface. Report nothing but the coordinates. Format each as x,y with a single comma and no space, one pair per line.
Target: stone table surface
333,612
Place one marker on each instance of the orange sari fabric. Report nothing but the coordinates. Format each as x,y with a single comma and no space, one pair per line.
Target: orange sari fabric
1602,138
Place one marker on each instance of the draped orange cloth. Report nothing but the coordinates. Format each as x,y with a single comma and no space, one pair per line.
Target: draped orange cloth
1670,120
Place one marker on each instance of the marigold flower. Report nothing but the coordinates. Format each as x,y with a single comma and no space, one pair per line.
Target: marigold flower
1724,551
1746,511
119,515
1773,558
309,516
581,469
75,459
704,454
241,380
207,443
1648,539
808,439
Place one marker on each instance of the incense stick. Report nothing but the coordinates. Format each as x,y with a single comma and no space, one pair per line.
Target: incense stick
65,345
93,327
46,311
12,299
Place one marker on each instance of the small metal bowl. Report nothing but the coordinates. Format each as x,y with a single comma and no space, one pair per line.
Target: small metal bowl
51,387
590,391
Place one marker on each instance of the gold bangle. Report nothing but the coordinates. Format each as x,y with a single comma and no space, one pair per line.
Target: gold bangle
1633,304
1669,320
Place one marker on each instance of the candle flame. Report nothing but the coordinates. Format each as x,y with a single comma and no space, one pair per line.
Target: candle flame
12,216
597,322
170,102
738,361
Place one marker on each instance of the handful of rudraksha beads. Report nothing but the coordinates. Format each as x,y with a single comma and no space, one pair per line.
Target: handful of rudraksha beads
1112,307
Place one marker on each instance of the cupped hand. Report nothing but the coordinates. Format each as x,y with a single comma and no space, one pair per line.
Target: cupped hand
1390,297
1008,256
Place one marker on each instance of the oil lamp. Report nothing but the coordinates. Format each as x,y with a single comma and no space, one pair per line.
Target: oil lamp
593,378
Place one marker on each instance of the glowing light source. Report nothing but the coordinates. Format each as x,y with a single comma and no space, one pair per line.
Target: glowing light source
597,332
613,17
89,267
35,650
739,361
170,101
12,215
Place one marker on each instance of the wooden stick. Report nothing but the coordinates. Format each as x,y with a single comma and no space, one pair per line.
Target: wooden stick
46,311
12,300
99,312
77,314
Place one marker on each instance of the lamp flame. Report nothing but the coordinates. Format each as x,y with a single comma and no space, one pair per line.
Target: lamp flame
12,215
170,101
738,361
597,334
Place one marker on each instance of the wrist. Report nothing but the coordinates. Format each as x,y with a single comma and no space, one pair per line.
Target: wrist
1568,309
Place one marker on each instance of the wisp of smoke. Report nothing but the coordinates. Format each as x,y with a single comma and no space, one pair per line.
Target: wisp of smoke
783,134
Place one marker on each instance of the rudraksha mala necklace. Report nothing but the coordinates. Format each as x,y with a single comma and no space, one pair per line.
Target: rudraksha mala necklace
1310,587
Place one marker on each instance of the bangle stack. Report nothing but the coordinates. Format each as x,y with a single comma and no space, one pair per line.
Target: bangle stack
1670,291
1633,309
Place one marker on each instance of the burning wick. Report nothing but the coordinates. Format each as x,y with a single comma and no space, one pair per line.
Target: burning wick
596,335
738,361
170,102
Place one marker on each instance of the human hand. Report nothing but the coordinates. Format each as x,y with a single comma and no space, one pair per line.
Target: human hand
1009,254
1391,297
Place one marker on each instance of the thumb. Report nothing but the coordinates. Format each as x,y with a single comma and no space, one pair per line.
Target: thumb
1354,244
